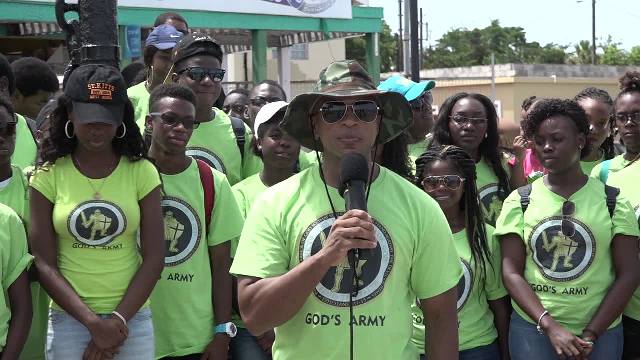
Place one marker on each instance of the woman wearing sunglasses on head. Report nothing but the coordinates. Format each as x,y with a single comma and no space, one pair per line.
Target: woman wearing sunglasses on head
91,196
469,121
623,172
569,247
197,61
448,175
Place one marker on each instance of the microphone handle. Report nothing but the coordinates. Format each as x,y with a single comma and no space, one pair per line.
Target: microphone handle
355,197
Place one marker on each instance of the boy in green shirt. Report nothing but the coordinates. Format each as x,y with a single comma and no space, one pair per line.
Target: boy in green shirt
191,302
292,257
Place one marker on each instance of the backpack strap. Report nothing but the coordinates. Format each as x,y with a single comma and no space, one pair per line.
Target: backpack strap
612,193
604,171
239,132
206,178
524,192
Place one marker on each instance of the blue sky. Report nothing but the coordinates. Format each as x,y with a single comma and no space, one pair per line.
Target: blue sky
562,22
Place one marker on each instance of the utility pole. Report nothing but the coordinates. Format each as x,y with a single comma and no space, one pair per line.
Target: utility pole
399,39
421,40
593,32
415,56
406,38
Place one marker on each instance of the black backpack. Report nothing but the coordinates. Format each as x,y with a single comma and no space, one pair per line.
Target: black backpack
239,132
610,191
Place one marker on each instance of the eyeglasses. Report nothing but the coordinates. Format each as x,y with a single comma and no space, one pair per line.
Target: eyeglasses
198,73
8,128
567,227
261,100
334,111
634,117
451,182
462,120
172,120
238,108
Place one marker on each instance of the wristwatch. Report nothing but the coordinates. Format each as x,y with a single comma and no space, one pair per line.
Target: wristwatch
228,328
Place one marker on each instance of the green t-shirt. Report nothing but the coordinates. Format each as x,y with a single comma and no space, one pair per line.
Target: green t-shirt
587,166
181,302
417,149
625,177
246,192
97,248
307,159
215,143
475,318
14,260
490,198
139,96
14,194
415,257
570,275
26,149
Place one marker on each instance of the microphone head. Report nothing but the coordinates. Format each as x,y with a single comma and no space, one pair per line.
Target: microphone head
353,167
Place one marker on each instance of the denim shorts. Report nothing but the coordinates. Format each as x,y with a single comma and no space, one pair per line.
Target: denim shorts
526,343
67,338
244,346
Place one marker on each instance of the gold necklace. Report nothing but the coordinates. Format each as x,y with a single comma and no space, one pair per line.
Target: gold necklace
96,192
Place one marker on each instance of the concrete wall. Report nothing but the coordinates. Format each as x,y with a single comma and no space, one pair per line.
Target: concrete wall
321,54
511,91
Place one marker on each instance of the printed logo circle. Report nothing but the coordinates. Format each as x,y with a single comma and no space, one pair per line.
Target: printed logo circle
491,202
96,222
465,285
182,230
208,157
560,257
372,269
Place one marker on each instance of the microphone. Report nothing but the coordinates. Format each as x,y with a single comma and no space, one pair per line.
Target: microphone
354,174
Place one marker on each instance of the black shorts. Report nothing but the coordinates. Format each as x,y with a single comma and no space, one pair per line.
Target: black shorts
631,328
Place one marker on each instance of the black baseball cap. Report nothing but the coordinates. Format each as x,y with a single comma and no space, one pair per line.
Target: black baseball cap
98,94
196,44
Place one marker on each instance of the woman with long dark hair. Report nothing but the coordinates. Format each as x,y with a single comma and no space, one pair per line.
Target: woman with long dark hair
623,172
448,175
469,121
569,247
93,195
598,105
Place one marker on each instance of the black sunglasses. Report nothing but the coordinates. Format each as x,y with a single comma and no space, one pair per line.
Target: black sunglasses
567,227
173,120
197,73
334,111
8,128
451,182
261,100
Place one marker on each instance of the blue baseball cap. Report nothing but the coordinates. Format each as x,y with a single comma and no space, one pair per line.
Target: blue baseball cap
410,89
163,37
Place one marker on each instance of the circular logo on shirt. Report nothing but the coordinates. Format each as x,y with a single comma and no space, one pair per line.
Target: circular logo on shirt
465,284
491,202
181,230
208,157
560,257
371,270
96,222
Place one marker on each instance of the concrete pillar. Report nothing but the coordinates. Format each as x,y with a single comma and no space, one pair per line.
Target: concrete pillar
284,69
373,56
259,55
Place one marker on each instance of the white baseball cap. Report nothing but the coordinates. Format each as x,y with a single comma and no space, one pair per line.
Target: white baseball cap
267,112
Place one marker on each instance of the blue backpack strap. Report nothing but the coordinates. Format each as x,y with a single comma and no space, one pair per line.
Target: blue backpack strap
524,192
612,194
604,171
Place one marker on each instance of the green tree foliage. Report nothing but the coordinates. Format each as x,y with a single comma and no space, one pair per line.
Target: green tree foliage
463,47
356,49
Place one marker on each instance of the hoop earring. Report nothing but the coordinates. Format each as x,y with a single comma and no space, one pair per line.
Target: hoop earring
66,130
124,131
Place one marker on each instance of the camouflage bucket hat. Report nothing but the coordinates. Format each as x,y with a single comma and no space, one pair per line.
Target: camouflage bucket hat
341,79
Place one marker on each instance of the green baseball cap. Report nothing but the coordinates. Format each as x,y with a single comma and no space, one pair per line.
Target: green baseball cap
342,79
